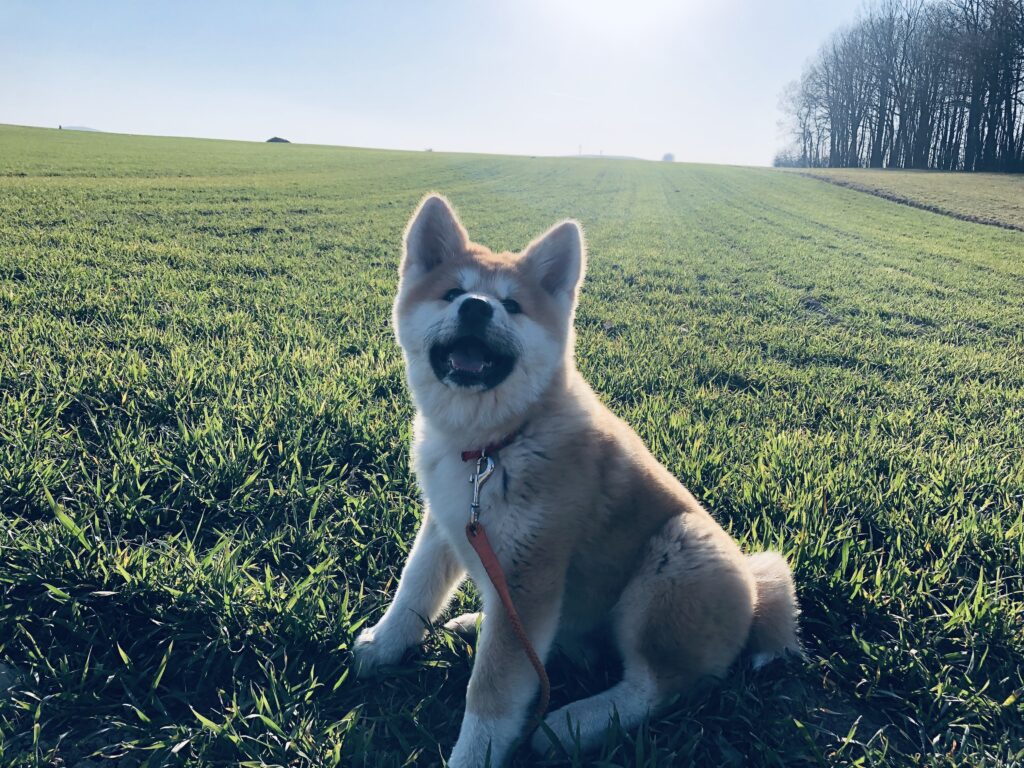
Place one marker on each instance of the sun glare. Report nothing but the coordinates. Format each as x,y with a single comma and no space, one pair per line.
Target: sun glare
616,20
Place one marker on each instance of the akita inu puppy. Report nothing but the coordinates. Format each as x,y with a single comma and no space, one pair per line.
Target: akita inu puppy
592,533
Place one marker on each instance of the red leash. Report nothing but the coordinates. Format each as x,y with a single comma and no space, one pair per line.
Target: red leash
478,540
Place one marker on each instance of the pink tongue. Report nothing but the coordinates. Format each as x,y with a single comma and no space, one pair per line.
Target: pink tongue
469,360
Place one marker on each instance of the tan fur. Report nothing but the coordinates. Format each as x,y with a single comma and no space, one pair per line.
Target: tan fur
593,533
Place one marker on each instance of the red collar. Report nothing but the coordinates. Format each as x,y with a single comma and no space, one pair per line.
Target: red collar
491,449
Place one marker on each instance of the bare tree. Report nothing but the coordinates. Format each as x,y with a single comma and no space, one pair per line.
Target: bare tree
915,84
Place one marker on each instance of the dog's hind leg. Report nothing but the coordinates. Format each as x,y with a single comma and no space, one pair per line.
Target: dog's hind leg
585,721
685,616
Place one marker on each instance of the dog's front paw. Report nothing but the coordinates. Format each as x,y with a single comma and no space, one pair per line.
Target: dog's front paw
467,755
465,625
375,648
485,741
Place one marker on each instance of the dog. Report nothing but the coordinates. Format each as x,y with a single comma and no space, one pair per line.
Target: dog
593,534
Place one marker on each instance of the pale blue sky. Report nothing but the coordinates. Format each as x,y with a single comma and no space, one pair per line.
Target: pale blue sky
641,77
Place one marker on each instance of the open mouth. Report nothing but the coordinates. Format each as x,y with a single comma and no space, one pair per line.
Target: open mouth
470,362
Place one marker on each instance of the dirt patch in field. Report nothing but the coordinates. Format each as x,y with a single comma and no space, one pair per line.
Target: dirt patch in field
817,306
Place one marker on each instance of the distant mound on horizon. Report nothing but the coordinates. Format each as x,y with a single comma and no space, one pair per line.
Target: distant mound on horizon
277,140
79,128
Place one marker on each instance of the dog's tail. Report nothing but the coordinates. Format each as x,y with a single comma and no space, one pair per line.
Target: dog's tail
773,633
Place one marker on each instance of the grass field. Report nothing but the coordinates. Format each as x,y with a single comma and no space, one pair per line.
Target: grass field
204,476
991,198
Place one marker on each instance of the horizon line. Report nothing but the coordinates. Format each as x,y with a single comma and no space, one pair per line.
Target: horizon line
427,150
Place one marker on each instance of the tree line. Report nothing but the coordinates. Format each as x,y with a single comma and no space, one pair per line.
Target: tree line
933,84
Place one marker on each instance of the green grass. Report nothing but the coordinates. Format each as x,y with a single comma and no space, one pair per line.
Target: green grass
204,476
990,198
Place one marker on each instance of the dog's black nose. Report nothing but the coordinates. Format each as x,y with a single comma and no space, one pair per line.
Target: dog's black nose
475,312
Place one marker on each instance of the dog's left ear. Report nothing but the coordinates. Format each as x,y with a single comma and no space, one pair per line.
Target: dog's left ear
558,258
434,234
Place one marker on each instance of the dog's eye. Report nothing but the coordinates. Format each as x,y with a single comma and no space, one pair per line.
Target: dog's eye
453,294
511,306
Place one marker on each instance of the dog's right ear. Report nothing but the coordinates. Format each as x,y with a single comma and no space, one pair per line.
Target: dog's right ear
433,235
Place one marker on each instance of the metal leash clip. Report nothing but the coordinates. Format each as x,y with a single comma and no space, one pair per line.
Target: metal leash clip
484,469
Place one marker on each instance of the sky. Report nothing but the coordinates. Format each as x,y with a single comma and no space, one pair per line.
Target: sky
548,77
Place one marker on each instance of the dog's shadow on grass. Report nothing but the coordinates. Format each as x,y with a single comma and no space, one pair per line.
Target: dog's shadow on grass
749,718
791,712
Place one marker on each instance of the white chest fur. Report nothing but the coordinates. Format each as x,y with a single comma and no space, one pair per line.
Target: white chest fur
505,510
